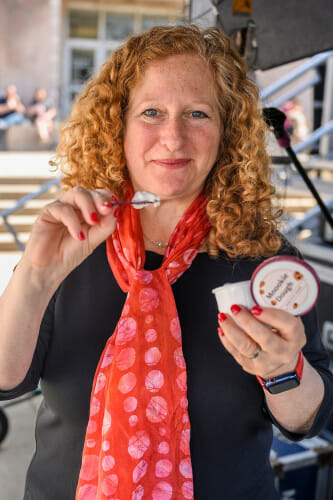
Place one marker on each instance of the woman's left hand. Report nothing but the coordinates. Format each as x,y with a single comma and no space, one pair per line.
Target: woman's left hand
266,343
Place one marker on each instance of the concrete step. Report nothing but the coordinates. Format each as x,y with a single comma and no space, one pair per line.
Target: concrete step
24,137
6,247
20,228
23,180
7,237
34,211
13,196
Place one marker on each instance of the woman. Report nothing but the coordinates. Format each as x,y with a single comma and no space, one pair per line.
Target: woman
172,112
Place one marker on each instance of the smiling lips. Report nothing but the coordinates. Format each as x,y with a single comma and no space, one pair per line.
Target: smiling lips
172,163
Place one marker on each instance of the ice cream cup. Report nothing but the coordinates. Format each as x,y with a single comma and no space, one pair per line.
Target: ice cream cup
233,293
282,282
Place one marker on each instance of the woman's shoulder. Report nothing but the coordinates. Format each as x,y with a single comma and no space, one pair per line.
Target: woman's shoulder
287,248
240,267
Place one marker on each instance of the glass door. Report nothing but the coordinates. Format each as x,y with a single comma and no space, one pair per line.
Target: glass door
82,65
80,62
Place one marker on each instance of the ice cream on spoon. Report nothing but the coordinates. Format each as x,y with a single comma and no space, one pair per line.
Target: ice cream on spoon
141,199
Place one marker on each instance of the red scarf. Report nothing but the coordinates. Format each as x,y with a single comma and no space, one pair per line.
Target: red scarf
138,434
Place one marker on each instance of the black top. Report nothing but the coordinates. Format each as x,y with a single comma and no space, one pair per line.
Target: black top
44,106
231,429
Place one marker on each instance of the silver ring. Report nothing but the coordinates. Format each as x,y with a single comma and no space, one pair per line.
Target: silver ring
256,353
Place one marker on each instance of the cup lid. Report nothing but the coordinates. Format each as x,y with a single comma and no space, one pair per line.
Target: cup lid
287,283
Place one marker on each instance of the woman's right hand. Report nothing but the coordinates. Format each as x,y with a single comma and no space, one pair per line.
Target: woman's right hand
67,231
64,234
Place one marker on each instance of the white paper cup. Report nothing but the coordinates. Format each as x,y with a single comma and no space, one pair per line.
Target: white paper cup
233,293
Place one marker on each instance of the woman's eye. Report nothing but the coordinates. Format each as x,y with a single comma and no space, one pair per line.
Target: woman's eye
151,113
198,114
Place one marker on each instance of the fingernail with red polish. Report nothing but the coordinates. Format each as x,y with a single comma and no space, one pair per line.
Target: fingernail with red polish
235,309
116,212
256,310
221,317
94,217
114,199
220,332
81,236
107,204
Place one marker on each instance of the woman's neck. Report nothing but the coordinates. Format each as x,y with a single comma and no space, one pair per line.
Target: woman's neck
158,223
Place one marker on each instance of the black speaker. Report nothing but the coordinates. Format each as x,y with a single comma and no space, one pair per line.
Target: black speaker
275,32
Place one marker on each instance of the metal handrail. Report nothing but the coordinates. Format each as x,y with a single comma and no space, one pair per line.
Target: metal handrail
314,137
295,91
296,73
294,226
20,203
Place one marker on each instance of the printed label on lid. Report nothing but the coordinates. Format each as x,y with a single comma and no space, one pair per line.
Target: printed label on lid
286,283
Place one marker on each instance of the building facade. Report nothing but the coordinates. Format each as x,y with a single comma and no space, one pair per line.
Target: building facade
58,44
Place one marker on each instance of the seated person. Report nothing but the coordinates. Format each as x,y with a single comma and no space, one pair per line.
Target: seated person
42,115
11,108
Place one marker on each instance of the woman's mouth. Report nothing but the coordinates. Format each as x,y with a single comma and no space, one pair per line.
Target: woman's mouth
172,162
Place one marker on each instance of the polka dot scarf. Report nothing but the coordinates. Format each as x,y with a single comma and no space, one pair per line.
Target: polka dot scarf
138,435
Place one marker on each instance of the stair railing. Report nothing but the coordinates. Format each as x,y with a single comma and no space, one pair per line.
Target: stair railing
266,94
19,204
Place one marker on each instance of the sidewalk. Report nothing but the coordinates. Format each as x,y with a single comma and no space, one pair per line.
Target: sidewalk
18,446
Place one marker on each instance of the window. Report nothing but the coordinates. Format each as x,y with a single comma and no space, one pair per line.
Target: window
119,27
82,65
92,37
149,22
83,24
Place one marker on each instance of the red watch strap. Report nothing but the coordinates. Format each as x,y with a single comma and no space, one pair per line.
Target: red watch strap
298,370
300,365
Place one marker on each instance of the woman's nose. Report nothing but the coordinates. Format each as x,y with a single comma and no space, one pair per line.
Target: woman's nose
172,134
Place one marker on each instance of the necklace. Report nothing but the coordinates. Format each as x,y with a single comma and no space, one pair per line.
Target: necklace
159,244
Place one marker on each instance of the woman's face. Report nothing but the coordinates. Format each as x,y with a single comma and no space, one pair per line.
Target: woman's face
172,128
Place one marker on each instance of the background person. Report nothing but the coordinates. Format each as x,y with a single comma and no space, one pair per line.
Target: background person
11,108
296,122
42,115
174,410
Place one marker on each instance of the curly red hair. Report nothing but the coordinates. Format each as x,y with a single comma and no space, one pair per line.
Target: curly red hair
91,154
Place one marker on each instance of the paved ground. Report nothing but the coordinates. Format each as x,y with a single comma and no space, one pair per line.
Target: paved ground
18,447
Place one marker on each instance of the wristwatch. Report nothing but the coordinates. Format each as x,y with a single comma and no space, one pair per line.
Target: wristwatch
284,382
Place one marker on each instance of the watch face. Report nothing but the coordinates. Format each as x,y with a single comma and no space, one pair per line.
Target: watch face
281,384
286,283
